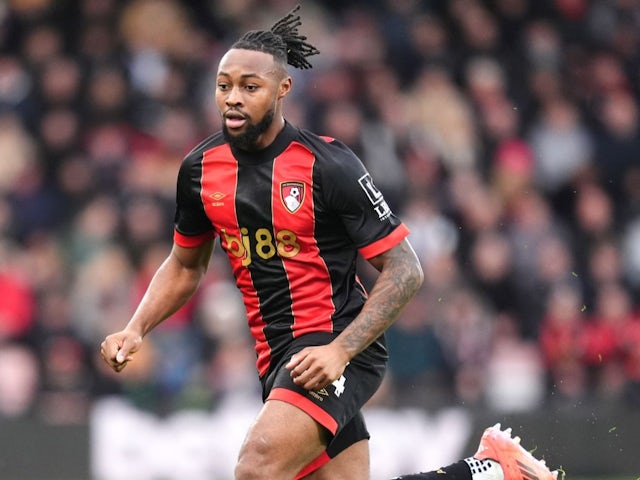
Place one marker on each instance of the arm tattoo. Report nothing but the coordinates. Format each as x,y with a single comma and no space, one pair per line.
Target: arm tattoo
400,279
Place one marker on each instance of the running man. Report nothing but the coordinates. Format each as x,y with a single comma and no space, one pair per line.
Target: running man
293,210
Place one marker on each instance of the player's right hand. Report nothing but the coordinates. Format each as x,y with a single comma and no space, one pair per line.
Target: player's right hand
118,348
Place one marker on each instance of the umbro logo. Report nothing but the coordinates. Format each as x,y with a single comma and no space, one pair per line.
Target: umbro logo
338,389
217,197
319,394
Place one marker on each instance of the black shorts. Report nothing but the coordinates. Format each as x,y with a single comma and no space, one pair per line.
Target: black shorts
336,407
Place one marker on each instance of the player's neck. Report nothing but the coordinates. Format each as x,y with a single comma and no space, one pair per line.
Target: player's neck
269,136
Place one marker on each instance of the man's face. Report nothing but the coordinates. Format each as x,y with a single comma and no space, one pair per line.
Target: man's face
249,86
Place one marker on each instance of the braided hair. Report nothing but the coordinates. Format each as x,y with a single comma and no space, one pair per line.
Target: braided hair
282,41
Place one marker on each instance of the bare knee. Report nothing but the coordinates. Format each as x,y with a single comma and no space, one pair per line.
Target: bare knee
252,461
282,441
258,460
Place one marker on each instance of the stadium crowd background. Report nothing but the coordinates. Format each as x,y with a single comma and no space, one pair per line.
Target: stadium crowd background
506,134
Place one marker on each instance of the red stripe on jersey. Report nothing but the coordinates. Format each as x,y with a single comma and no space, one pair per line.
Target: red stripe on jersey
294,225
190,241
386,243
306,405
219,185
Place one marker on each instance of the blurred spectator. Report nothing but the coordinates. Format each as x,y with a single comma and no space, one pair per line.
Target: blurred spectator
417,369
35,202
16,91
631,252
143,224
17,302
515,371
442,114
491,270
465,332
432,234
512,170
42,42
94,228
559,341
533,233
485,81
66,385
19,380
97,44
499,117
617,142
101,295
475,205
604,266
61,82
478,29
602,338
594,216
561,145
76,183
107,94
428,40
17,148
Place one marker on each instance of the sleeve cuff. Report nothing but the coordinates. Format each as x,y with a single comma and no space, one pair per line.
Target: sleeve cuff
191,241
386,243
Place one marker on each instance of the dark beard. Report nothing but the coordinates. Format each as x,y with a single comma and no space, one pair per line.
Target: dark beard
247,141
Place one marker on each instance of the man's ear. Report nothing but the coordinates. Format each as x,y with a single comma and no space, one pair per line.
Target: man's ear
285,87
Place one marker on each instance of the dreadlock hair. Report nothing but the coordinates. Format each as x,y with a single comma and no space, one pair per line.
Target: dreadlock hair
282,41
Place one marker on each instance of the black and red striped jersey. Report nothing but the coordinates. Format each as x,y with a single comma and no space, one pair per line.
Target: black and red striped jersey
292,219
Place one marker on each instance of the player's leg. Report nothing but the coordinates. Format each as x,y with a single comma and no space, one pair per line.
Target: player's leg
280,443
499,457
515,462
327,421
350,464
335,410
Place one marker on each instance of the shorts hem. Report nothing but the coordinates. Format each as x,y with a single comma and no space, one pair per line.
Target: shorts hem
307,406
320,461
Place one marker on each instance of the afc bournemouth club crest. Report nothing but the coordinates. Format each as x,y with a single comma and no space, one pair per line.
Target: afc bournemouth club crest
292,195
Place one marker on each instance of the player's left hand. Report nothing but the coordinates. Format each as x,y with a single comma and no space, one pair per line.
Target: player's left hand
314,368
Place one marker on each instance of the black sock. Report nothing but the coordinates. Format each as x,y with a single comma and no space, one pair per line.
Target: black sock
456,471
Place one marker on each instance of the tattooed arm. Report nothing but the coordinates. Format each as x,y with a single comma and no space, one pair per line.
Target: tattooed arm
400,278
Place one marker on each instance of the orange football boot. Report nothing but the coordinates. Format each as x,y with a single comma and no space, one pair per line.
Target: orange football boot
516,462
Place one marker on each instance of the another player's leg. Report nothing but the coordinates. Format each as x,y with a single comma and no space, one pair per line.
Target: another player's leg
499,457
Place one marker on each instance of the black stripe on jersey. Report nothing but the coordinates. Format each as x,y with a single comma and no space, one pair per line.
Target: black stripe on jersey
190,217
268,276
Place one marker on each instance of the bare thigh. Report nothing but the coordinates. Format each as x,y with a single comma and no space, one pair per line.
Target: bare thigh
350,464
282,440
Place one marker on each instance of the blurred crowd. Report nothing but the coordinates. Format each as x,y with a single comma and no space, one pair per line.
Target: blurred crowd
505,133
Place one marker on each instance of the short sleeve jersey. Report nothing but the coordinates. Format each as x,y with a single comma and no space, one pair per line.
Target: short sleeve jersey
292,219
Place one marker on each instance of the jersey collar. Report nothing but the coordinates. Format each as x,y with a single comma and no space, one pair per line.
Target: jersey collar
280,143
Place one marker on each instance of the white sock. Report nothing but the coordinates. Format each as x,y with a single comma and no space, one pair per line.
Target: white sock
484,469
